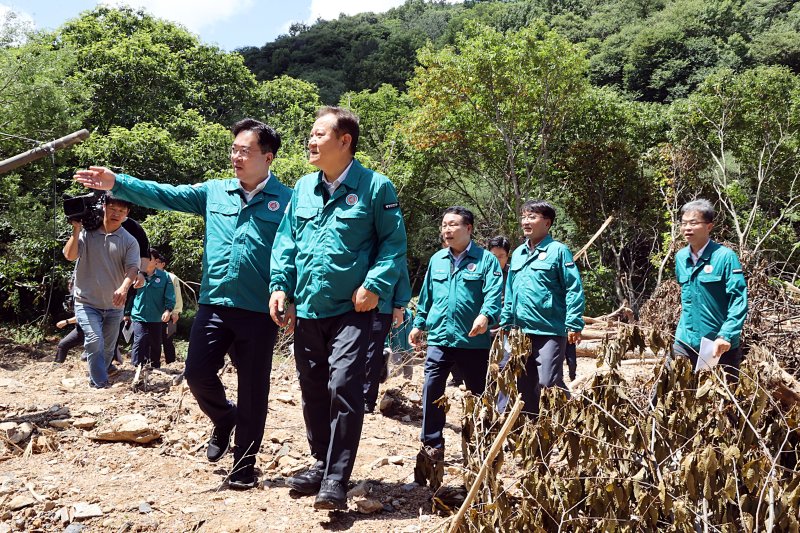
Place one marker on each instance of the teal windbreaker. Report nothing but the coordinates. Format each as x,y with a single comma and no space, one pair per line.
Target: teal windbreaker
400,296
451,299
713,296
150,302
324,251
544,293
238,239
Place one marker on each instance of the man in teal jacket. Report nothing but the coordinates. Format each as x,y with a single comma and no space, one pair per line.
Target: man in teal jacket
713,291
339,251
460,298
241,217
149,309
544,298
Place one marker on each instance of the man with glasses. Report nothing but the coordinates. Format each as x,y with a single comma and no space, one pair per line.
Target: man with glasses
241,216
460,298
544,298
713,291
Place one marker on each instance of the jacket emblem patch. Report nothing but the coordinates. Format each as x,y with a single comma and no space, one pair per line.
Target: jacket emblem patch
273,205
351,199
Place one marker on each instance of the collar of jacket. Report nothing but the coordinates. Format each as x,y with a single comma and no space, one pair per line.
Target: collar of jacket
542,246
271,188
706,257
351,182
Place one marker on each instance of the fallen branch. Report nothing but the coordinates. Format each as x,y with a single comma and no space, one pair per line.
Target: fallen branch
493,451
586,246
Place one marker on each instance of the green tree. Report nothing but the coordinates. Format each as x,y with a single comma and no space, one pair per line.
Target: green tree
490,109
746,128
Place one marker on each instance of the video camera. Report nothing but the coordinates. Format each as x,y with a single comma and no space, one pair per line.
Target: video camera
86,209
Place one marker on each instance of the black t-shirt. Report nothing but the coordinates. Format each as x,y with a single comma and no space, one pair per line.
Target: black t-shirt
135,229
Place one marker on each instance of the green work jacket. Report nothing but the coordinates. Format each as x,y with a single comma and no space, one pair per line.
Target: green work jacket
452,298
544,293
325,250
238,239
400,296
156,296
713,296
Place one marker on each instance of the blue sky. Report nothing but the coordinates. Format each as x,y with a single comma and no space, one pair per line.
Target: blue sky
230,24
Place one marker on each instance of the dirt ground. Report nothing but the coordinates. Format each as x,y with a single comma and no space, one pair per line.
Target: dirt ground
47,481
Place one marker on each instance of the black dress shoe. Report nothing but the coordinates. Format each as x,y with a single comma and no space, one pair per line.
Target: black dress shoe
219,443
243,480
331,496
308,482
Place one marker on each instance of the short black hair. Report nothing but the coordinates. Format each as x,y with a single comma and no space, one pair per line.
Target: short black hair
156,254
466,214
109,198
499,241
540,207
346,122
269,140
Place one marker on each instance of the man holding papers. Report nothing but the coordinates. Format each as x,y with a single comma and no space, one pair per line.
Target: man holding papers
713,294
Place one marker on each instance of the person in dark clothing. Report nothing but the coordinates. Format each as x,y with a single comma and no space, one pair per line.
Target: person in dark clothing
71,340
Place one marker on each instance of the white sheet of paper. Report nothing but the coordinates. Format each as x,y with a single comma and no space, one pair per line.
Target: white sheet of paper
706,359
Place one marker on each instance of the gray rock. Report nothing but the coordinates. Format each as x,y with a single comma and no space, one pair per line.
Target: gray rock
362,489
145,508
82,511
21,501
84,422
127,428
369,506
74,528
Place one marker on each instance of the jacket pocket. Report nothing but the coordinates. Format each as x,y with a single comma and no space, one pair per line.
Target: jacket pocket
223,209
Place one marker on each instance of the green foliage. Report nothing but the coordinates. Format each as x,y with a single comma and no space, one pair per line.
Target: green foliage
489,108
746,127
142,69
179,236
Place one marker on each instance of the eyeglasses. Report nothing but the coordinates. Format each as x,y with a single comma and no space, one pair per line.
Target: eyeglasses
530,217
244,152
691,223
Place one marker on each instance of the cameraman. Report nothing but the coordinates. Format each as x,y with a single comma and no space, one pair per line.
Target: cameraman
107,265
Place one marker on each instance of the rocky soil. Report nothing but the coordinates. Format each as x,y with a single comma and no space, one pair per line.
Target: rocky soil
75,459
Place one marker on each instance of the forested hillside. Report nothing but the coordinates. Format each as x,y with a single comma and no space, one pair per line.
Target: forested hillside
624,108
652,50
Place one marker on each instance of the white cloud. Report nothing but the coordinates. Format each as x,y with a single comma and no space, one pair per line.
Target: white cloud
327,10
194,14
14,25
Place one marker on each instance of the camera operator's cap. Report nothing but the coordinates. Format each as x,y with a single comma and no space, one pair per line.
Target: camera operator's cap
110,198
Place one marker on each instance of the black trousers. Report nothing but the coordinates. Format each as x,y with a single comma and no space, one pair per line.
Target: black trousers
375,359
168,343
331,355
71,340
253,335
146,344
440,360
